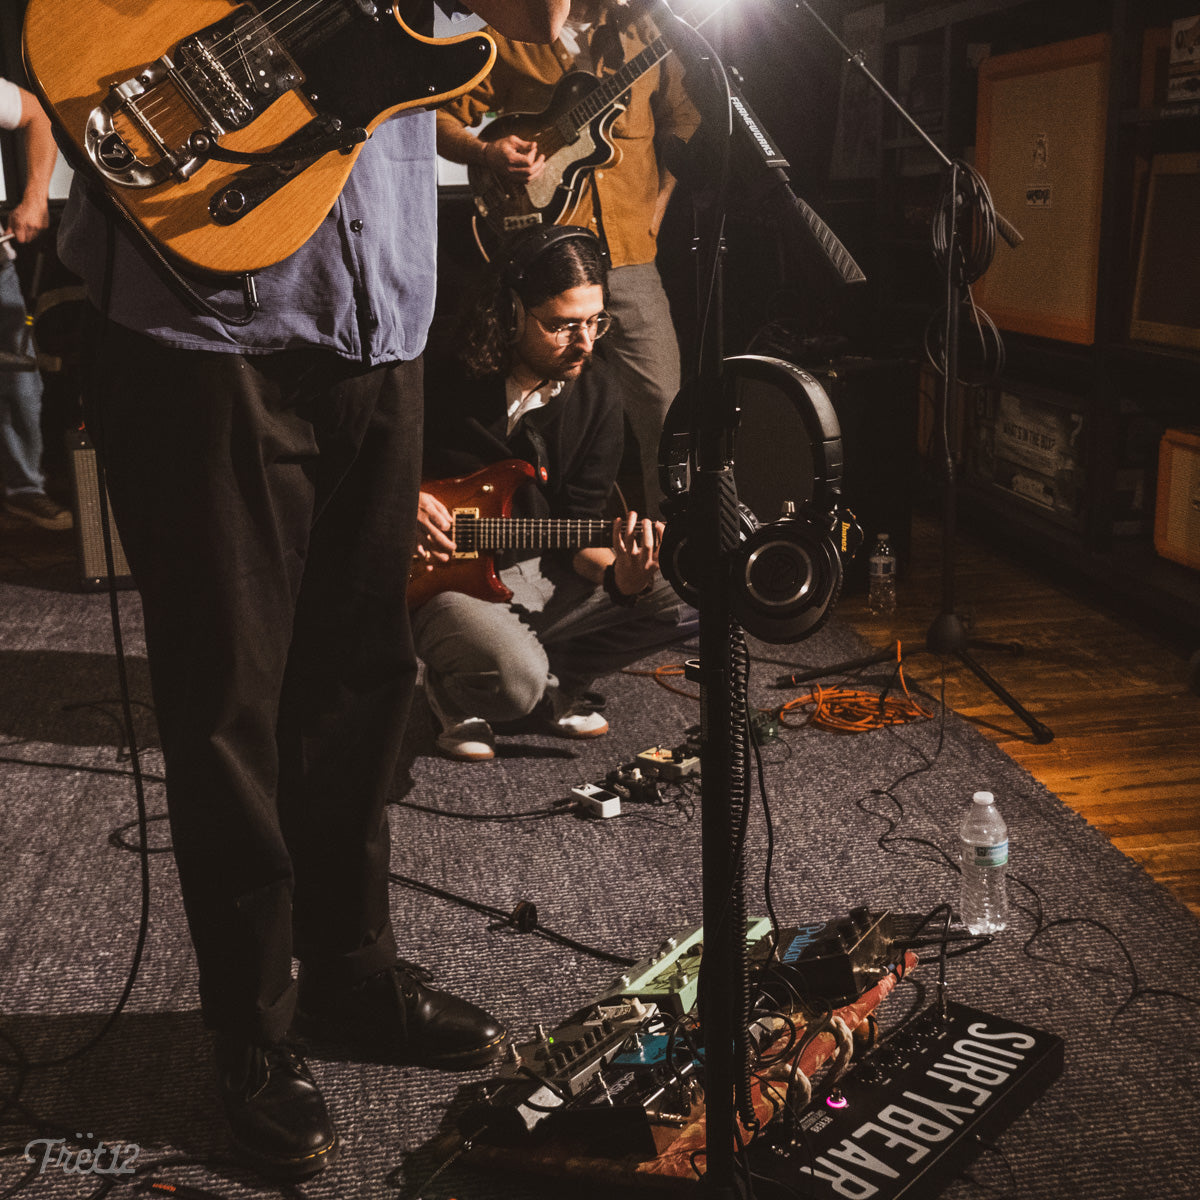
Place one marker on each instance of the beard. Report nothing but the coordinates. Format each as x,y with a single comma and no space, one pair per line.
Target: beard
570,365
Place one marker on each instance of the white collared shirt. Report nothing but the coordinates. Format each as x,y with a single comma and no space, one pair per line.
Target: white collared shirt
519,403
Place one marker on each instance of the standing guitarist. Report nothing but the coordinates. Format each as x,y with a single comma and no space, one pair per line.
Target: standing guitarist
264,477
623,201
535,392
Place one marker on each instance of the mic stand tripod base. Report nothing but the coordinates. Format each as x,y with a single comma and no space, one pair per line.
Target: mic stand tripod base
947,635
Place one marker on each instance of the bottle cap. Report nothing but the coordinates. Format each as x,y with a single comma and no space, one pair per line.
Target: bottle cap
984,798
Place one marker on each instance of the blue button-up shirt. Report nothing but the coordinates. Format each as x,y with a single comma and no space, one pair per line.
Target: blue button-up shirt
362,286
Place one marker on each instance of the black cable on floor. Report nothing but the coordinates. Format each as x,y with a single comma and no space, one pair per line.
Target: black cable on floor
523,919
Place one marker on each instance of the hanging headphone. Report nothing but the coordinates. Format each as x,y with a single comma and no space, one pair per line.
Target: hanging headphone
523,251
785,576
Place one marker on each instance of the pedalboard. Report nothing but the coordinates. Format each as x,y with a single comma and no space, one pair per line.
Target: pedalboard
910,1114
670,977
835,961
560,1082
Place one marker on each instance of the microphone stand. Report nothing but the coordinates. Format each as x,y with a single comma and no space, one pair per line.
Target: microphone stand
712,526
713,531
947,634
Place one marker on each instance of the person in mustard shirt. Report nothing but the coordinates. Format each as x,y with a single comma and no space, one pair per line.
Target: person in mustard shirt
623,202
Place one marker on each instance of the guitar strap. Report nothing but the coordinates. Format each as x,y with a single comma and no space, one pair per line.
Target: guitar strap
537,443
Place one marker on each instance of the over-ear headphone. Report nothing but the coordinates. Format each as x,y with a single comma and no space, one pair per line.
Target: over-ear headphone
785,576
521,253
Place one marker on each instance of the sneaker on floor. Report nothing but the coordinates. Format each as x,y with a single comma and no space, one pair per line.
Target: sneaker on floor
470,741
38,508
581,723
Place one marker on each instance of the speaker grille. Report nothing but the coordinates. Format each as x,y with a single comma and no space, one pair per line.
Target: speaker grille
89,533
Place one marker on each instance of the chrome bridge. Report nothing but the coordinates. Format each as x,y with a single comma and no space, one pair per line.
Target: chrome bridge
218,80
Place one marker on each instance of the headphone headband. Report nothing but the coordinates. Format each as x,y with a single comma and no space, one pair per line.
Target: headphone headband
529,245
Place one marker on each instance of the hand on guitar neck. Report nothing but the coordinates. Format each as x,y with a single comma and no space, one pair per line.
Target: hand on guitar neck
483,501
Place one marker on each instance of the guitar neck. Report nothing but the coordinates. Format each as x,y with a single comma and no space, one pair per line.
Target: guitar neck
614,86
473,534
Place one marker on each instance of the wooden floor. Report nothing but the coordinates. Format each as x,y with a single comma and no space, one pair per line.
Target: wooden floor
1126,748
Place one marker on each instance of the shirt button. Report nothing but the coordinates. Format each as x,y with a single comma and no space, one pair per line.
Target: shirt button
356,226
599,174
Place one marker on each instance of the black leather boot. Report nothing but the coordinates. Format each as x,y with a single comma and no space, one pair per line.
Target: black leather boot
274,1107
394,1017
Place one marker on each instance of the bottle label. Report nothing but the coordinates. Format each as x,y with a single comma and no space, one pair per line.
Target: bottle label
990,856
881,566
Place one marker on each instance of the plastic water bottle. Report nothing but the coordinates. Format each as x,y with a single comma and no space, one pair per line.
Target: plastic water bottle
983,842
881,576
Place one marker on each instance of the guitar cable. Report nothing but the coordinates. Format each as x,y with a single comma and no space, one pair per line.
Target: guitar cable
20,1063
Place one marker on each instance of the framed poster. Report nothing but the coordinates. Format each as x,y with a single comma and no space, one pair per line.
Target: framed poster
1040,146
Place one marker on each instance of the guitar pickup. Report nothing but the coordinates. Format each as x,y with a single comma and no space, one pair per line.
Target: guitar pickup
465,541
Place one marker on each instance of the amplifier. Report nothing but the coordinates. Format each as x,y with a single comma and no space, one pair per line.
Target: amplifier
1177,509
89,533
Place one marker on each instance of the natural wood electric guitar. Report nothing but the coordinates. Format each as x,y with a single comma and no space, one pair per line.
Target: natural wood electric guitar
481,505
226,131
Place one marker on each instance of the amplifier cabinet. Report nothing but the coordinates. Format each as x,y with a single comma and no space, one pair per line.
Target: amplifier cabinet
89,533
1177,510
1040,140
1026,443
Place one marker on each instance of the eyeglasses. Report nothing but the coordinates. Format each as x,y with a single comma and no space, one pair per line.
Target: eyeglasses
565,332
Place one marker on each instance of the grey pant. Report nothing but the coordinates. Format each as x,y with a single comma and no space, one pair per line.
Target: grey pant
498,661
643,353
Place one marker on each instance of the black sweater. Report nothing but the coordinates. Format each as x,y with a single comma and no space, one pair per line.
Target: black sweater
575,442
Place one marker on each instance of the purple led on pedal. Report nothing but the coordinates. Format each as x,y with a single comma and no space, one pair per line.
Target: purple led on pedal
836,1100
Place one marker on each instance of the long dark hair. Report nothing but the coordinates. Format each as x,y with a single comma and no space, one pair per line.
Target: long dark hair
488,327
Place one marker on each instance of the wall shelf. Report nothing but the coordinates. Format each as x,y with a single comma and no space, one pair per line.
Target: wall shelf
1128,391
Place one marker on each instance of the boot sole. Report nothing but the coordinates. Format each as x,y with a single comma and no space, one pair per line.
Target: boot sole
340,1049
289,1168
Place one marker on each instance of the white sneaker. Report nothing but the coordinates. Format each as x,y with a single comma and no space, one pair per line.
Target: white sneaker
471,740
581,725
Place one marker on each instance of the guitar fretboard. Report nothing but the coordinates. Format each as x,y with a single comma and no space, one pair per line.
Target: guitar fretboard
472,534
615,86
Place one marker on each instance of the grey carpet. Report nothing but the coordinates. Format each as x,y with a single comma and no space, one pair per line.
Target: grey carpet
1121,1122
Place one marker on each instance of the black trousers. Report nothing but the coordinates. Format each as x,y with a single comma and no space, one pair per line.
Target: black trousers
267,506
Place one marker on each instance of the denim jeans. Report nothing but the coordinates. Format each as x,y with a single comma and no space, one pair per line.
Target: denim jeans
20,396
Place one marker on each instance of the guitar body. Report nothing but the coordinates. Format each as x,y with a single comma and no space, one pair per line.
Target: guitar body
486,493
129,82
551,199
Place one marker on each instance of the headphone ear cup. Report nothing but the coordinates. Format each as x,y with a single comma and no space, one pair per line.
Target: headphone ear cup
786,579
677,556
